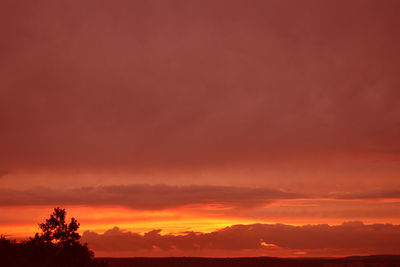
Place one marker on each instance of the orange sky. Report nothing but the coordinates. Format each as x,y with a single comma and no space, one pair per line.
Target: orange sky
203,119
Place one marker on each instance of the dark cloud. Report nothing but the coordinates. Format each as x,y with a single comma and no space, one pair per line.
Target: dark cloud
378,238
146,196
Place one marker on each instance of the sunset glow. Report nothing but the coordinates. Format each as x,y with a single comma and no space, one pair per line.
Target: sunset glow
203,128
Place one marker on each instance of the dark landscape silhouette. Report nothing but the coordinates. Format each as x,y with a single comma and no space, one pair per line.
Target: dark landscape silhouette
366,261
57,245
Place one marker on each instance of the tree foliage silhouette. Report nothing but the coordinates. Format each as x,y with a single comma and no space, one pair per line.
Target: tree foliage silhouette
56,230
56,246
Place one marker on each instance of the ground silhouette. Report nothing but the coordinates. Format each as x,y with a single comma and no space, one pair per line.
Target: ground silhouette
56,246
366,261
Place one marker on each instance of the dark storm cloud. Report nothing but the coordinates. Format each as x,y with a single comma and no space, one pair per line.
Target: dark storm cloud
181,83
383,238
146,196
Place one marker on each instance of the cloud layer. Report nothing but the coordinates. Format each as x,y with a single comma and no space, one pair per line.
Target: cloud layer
156,197
86,85
340,239
146,196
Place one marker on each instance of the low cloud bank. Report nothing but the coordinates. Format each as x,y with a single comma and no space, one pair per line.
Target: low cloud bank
349,237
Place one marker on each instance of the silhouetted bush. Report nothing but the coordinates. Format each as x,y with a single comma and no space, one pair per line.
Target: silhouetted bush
57,246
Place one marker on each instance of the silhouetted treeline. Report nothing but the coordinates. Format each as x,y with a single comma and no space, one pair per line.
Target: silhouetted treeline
56,246
35,253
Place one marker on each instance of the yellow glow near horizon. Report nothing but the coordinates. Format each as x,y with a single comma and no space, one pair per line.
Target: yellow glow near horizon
22,222
101,219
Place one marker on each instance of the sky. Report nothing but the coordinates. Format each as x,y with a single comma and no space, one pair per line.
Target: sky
203,128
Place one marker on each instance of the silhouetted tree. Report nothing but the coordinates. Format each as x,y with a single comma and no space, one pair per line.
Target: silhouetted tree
55,230
57,246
